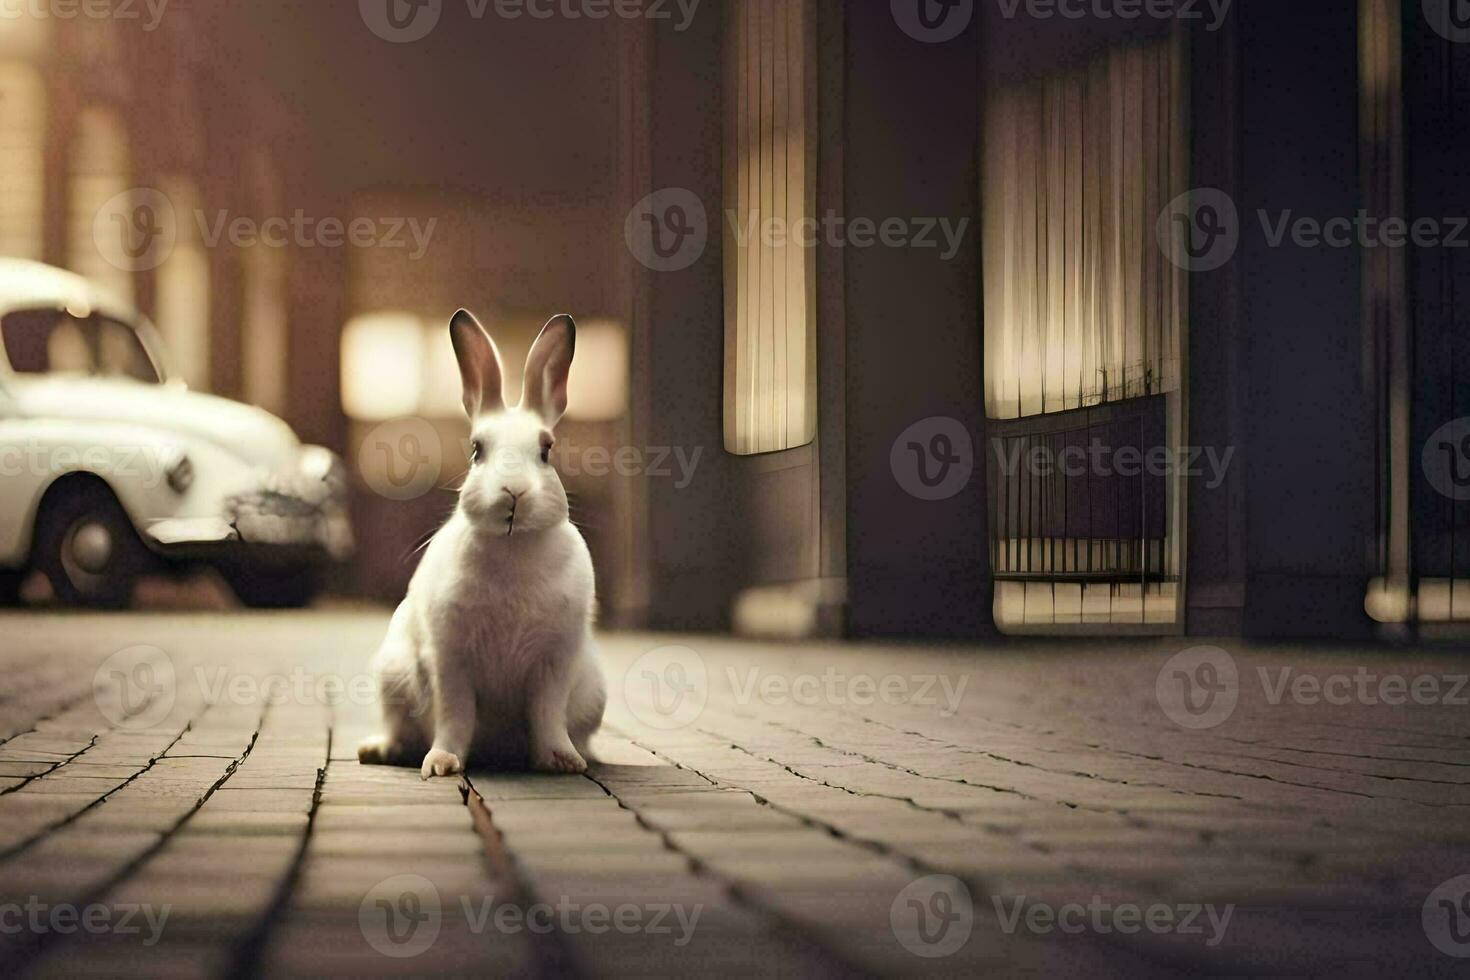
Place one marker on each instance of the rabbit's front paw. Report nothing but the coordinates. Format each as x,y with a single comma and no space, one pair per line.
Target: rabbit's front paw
440,763
560,759
373,751
378,751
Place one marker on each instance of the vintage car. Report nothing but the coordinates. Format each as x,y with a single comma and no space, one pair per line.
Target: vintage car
110,467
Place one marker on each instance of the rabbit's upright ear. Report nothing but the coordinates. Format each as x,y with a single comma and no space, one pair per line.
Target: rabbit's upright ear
547,366
479,364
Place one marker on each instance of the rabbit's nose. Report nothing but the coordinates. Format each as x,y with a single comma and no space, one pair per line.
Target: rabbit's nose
513,495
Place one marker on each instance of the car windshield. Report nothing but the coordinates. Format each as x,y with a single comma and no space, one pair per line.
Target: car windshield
56,342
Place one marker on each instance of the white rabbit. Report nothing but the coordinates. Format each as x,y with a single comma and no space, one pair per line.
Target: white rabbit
490,655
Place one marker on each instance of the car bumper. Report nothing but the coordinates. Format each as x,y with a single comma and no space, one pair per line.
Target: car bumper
295,517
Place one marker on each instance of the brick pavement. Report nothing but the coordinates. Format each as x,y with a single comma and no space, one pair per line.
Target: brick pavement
180,796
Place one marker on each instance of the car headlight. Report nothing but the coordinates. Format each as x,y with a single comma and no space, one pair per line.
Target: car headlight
317,462
315,476
180,474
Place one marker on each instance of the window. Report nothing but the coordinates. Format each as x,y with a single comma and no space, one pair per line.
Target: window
1081,305
1387,309
25,32
1085,315
183,310
597,388
22,159
384,366
770,189
101,170
1412,134
264,327
396,364
52,342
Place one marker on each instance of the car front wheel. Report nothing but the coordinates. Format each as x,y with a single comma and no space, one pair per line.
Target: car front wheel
86,546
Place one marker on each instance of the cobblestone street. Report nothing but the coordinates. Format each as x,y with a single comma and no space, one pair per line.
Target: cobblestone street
180,796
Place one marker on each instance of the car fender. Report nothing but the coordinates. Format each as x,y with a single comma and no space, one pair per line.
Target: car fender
134,461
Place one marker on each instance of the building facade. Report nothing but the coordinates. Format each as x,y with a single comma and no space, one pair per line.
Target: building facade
1174,275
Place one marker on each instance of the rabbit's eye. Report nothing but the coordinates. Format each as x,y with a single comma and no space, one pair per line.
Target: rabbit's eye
546,452
477,451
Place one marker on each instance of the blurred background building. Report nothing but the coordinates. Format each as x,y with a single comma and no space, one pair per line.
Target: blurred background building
526,143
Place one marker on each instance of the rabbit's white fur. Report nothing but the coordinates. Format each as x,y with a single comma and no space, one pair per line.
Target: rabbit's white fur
490,658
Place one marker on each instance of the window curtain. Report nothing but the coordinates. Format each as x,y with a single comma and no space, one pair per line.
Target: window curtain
770,381
1082,305
1388,330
